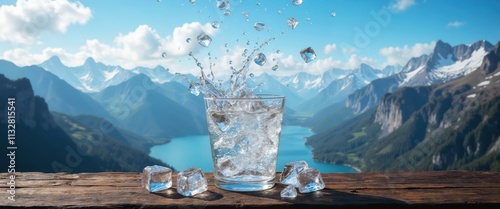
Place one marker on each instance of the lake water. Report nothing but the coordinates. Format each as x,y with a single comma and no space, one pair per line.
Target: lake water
194,151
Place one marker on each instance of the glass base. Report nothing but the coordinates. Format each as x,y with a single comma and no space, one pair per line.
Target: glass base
248,186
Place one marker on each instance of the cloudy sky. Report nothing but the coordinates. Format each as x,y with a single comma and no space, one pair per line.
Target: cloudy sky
343,33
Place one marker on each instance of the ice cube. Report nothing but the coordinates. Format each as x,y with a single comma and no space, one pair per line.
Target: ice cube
289,191
156,178
292,22
310,180
291,172
308,54
204,39
191,182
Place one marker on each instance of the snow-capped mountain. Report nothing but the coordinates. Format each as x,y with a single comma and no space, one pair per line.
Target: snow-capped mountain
272,86
89,77
307,85
444,64
340,88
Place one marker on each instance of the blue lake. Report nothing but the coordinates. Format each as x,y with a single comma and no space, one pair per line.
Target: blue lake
194,151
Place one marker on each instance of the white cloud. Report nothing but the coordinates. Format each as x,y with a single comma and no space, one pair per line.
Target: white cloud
355,61
141,47
455,24
401,5
329,48
401,55
25,21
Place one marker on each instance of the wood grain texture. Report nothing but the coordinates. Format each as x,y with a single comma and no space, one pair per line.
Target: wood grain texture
452,189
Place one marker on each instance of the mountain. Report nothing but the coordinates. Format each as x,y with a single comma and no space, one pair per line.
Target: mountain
89,77
141,107
272,86
60,96
453,125
307,85
444,64
43,146
340,88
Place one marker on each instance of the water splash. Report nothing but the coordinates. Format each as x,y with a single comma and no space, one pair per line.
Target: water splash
237,87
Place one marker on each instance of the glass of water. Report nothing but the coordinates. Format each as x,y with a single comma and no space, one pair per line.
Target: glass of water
244,138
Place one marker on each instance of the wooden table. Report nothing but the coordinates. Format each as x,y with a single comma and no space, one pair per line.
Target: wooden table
453,189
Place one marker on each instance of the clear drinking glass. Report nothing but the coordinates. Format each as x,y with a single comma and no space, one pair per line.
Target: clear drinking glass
244,138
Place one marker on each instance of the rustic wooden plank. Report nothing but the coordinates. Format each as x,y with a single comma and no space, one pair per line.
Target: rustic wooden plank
123,190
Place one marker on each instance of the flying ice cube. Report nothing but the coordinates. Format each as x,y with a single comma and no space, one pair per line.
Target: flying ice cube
296,2
291,171
191,182
223,4
308,54
156,178
292,22
289,191
260,59
310,180
259,26
204,39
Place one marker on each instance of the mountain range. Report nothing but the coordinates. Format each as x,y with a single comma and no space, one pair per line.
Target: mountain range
366,117
57,143
453,125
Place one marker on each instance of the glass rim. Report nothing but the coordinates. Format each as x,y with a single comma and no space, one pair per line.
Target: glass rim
259,98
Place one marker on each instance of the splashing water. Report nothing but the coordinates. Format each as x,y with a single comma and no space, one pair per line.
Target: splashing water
296,2
237,88
259,26
215,24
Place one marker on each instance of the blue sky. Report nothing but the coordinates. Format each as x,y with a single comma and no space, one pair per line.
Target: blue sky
135,33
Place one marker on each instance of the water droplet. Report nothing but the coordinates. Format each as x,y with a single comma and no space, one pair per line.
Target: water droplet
308,18
260,59
227,12
225,45
282,32
209,17
204,39
334,14
223,4
209,53
296,2
279,11
198,64
215,24
192,1
244,33
230,62
275,67
274,59
308,54
258,3
292,22
245,14
164,54
278,51
158,1
199,11
188,40
248,42
259,26
168,69
251,75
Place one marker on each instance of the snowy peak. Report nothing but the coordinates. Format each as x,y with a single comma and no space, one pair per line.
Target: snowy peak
445,63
